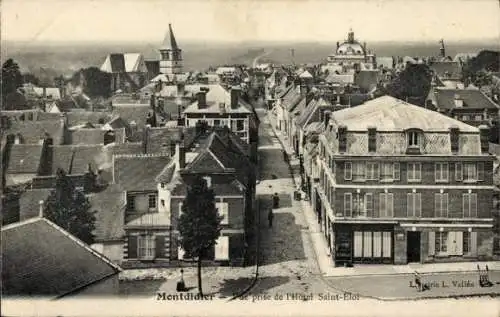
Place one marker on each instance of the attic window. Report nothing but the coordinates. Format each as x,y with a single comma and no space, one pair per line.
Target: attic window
414,141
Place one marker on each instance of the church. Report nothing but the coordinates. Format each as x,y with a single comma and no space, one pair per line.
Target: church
130,71
351,54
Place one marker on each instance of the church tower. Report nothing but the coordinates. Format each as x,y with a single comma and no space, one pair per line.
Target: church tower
171,54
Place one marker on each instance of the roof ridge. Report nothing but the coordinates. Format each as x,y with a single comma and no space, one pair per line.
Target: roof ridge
141,155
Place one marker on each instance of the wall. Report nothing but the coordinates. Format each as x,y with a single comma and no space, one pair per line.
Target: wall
164,194
112,250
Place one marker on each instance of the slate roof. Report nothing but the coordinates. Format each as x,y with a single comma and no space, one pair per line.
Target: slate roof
169,41
127,62
24,158
216,96
51,262
311,114
138,172
32,131
472,99
391,114
29,202
110,213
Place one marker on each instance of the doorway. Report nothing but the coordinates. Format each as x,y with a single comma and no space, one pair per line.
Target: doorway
413,246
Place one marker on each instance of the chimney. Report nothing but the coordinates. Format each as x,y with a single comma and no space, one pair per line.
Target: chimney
40,208
202,98
235,97
145,138
372,139
326,118
454,138
459,103
180,89
342,137
484,133
180,151
44,93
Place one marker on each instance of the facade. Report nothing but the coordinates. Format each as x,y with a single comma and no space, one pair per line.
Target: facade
417,188
171,55
352,54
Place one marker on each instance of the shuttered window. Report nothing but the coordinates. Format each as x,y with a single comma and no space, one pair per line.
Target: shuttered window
386,205
458,172
347,204
413,203
397,171
441,172
469,205
414,172
222,248
368,210
160,247
441,205
132,247
347,171
146,245
222,209
372,171
480,171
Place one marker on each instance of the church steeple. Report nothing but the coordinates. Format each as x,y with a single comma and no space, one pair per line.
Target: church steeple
442,50
171,54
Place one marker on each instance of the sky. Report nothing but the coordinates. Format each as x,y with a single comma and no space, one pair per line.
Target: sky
249,20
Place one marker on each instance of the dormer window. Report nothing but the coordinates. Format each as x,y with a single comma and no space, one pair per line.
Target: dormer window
414,141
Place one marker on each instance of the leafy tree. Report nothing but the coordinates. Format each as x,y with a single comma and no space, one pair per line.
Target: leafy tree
199,223
11,77
96,83
68,207
30,78
414,82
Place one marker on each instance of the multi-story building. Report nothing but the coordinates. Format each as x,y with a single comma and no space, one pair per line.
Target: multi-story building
352,54
399,183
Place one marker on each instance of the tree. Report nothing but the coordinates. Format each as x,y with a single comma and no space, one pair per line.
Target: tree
96,83
414,82
199,223
11,77
30,78
68,207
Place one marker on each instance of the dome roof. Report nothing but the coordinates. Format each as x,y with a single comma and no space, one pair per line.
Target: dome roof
347,48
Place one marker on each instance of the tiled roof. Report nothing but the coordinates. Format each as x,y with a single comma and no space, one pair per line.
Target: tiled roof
75,159
86,136
159,140
167,174
391,114
312,112
136,113
453,69
340,78
472,98
29,202
51,262
366,79
110,213
32,131
138,172
216,95
24,158
81,117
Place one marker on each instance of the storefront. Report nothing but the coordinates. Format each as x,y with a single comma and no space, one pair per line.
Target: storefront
363,243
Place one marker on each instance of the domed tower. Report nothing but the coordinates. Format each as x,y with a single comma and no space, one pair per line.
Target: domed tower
171,54
350,37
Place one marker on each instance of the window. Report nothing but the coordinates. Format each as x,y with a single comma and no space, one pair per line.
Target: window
413,139
469,202
163,202
348,171
441,246
386,205
130,202
466,247
458,172
233,126
387,171
372,171
441,172
240,125
441,205
469,172
222,248
367,211
414,172
358,171
414,204
465,118
478,117
347,204
152,201
222,209
216,122
146,247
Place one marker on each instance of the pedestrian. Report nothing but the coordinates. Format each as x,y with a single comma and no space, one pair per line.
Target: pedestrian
270,217
276,200
418,281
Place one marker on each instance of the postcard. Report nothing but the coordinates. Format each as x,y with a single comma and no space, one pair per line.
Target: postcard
241,158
